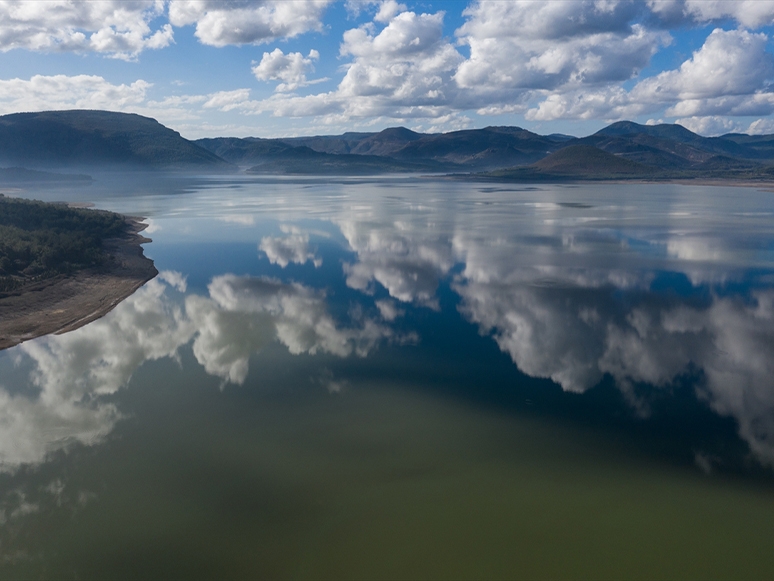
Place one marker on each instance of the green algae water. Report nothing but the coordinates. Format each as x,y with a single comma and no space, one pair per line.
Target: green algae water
406,378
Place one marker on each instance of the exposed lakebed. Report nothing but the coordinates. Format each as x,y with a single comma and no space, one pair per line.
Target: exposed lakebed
402,377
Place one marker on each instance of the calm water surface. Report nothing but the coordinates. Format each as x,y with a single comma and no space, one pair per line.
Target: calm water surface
406,378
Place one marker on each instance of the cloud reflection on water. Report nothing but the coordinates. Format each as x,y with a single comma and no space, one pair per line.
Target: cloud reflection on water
408,265
72,370
293,247
569,303
574,308
244,314
574,335
241,315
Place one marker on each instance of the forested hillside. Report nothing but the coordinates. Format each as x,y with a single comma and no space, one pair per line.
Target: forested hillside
40,240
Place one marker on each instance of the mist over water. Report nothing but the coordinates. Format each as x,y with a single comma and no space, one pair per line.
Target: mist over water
406,377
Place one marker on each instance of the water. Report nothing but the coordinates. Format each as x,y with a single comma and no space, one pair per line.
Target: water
407,378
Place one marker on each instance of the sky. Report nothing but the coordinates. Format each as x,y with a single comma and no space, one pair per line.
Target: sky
309,67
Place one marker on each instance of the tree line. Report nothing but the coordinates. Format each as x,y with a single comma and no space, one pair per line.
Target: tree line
39,240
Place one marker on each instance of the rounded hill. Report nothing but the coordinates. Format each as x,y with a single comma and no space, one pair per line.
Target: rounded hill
583,160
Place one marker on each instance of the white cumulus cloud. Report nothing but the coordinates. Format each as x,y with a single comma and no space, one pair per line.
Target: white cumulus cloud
530,45
713,125
402,70
290,69
117,28
730,64
729,75
748,13
220,23
41,93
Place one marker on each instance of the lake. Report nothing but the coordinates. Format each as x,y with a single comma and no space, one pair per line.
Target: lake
404,377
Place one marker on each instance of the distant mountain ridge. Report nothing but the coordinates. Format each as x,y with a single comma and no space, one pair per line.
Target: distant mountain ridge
623,150
660,150
276,156
475,149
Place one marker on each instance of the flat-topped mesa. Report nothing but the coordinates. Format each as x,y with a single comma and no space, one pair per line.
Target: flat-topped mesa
103,139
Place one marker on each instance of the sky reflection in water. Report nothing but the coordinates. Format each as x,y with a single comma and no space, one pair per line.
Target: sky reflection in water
654,288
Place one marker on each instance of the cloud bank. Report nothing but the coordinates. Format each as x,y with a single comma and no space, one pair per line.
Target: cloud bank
232,22
548,61
120,29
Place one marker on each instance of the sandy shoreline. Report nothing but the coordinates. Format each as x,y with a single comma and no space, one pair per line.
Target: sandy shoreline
64,303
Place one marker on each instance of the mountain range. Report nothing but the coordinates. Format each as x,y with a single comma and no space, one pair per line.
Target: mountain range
101,140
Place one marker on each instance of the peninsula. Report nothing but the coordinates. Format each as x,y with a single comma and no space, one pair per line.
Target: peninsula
63,267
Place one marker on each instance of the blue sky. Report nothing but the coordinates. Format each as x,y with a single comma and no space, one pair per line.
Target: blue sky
212,68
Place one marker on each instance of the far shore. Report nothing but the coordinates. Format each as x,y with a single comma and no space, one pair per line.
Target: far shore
765,185
67,302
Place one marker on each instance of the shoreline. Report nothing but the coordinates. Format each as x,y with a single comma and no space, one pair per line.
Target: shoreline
765,185
66,302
